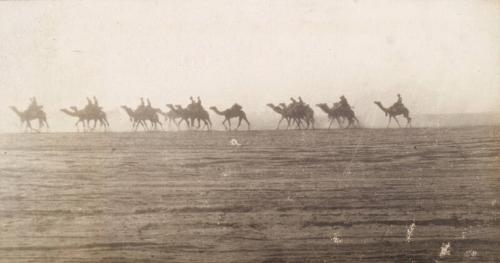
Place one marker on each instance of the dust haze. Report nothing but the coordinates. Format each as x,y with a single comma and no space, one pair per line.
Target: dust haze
442,56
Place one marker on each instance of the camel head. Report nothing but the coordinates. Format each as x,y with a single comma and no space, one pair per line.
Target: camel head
379,104
283,105
270,105
13,108
128,111
74,108
213,108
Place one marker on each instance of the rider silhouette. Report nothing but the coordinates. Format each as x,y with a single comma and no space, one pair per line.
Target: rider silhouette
399,102
343,102
34,105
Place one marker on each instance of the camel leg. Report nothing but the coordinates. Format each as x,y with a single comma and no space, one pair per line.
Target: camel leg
299,124
229,122
175,123
40,124
248,123
206,125
239,122
187,124
224,123
279,122
357,121
408,119
28,126
399,125
106,124
135,126
339,122
389,123
288,123
408,122
47,124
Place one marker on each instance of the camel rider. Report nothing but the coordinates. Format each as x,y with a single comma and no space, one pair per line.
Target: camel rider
400,100
199,101
399,103
343,103
300,101
96,105
149,104
34,105
237,106
141,106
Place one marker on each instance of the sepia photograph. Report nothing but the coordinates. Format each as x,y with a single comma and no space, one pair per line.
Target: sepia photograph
250,131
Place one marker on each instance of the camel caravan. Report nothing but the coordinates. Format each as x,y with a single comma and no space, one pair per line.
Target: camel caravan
296,114
33,112
91,112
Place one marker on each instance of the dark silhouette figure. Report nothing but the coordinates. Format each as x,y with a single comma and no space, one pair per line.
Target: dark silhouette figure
396,109
236,111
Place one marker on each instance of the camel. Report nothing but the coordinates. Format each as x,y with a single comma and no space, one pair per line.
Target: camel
170,117
337,112
199,114
140,116
94,113
181,113
332,115
86,115
32,114
234,112
284,115
394,111
298,112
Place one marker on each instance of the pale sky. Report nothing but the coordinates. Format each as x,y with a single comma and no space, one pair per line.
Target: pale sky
442,56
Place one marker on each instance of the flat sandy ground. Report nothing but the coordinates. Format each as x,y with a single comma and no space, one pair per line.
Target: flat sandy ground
282,196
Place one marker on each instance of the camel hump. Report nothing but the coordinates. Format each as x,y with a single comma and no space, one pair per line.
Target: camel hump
237,106
398,106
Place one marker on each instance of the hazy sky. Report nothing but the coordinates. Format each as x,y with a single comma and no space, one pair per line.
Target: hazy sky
442,56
